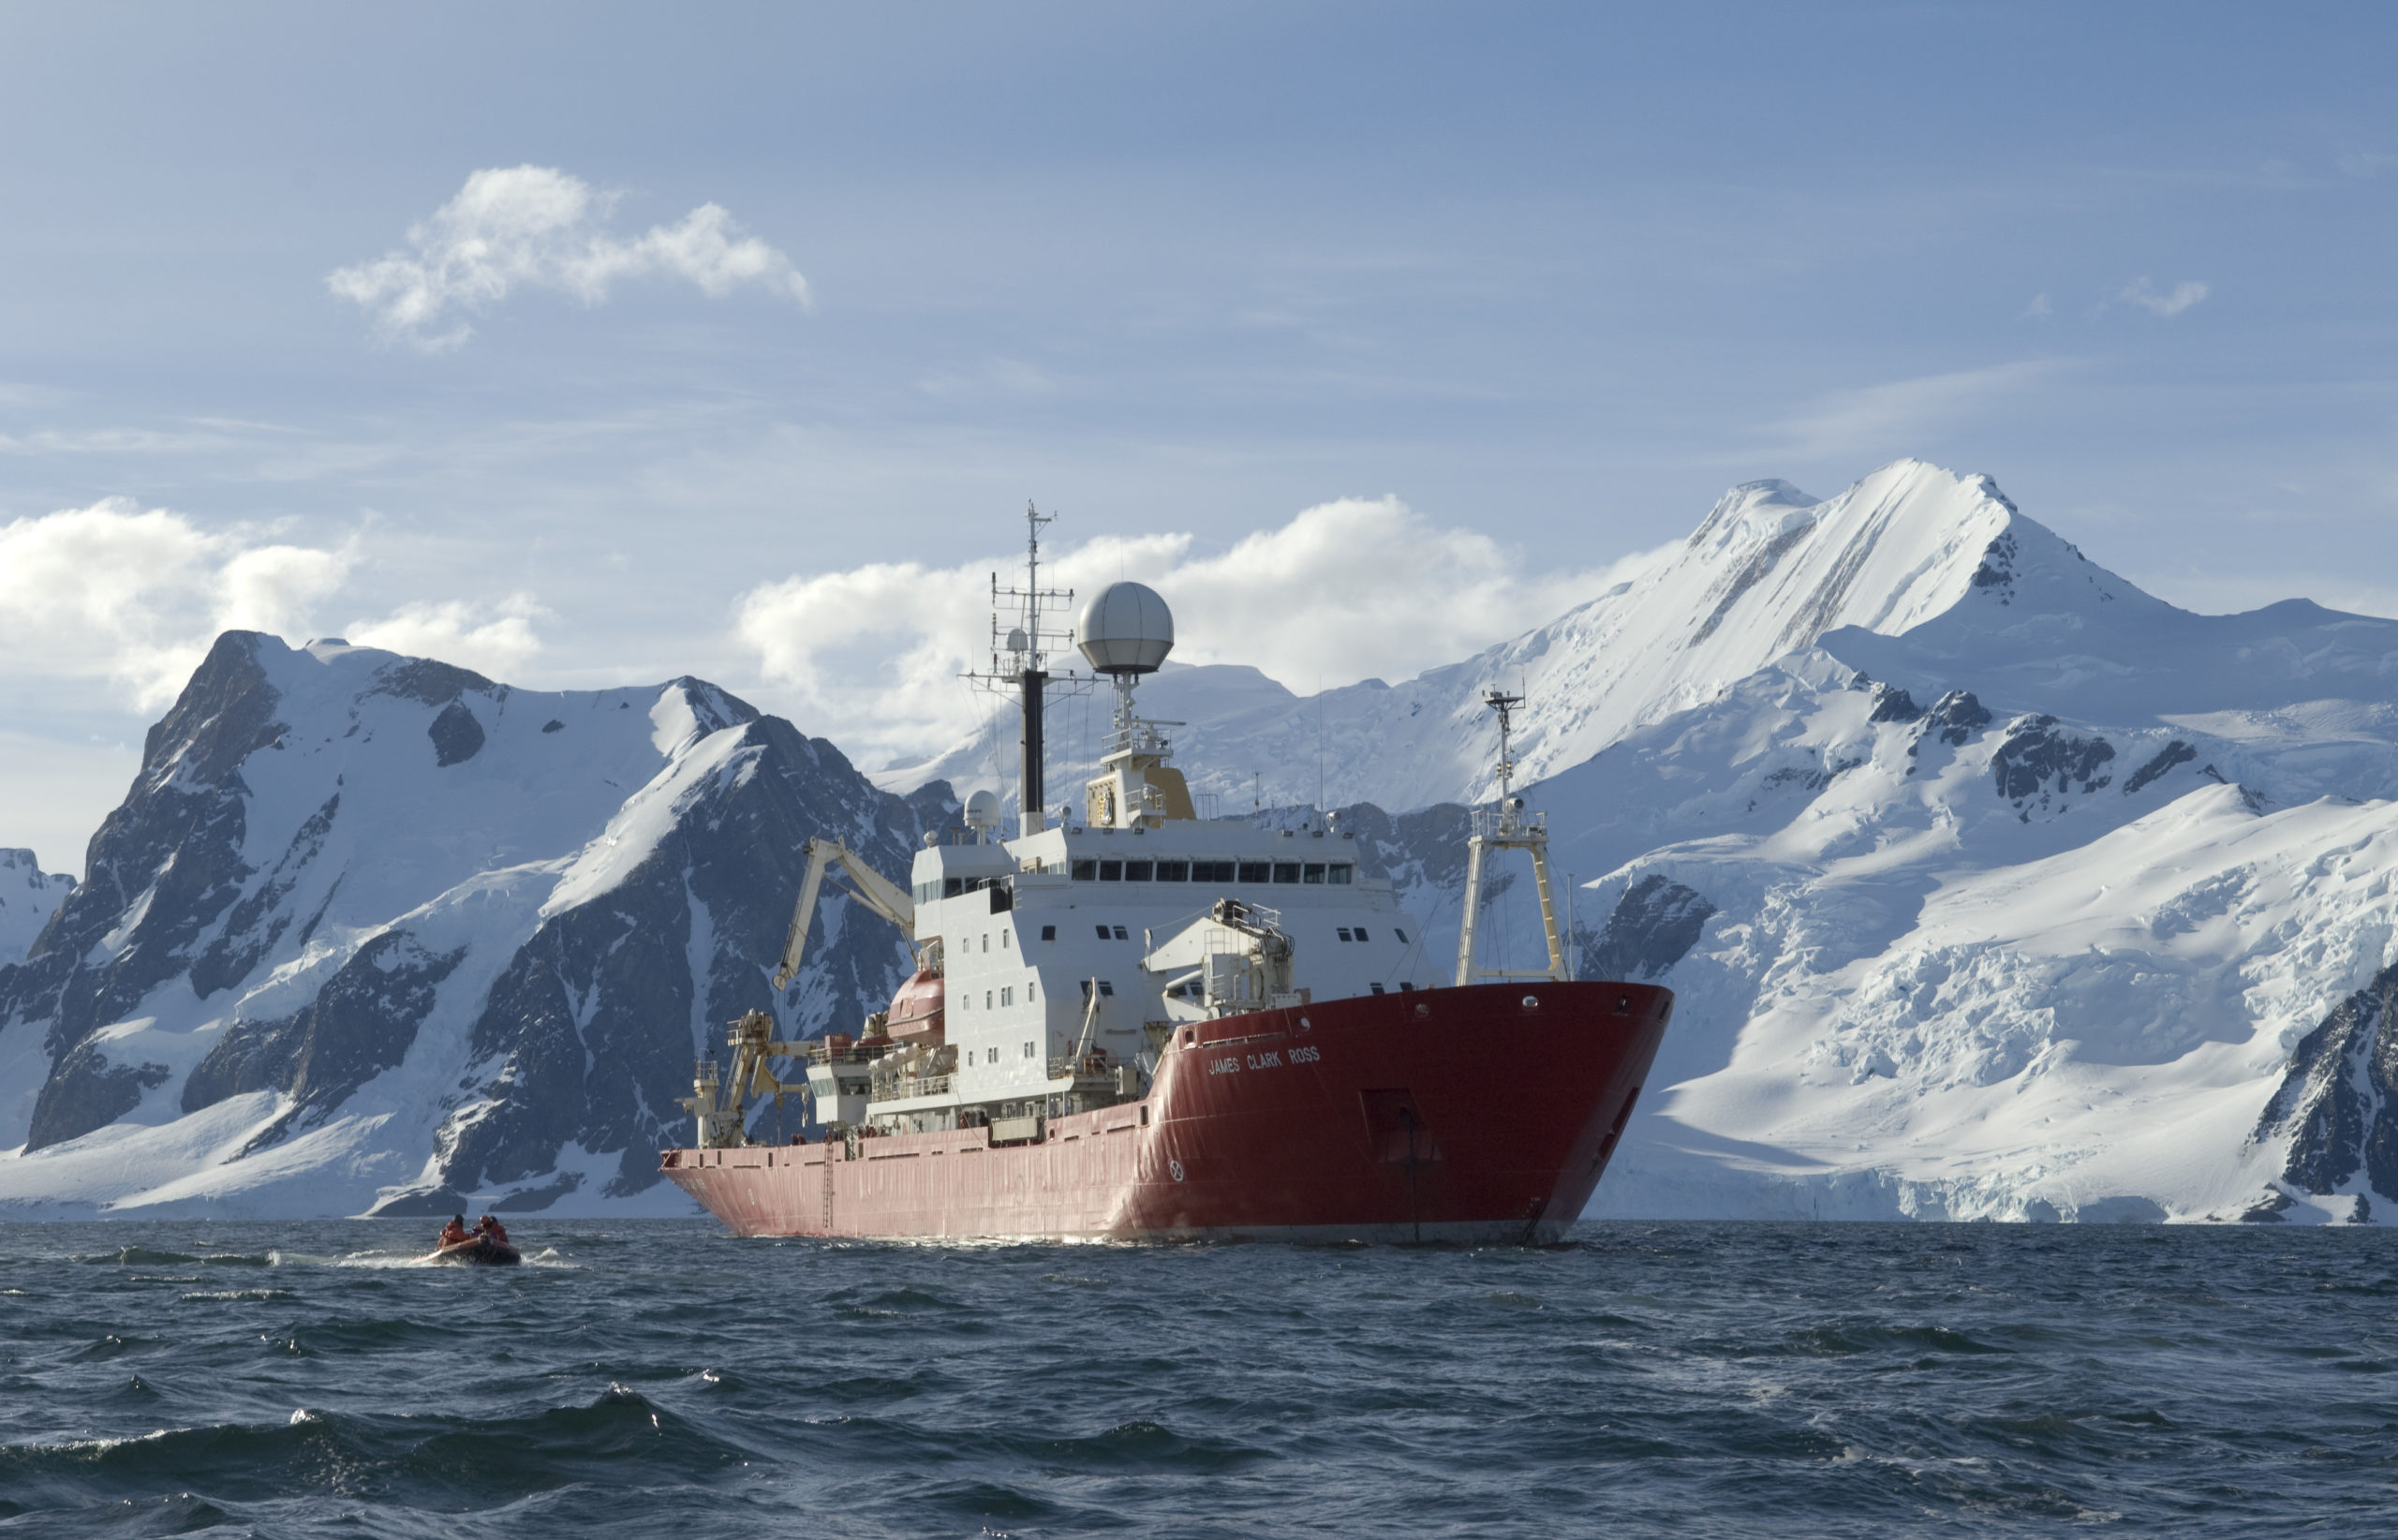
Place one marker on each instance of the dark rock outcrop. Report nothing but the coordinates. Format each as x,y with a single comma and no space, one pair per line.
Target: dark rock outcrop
1956,717
2176,753
1652,927
2338,1099
457,737
2035,754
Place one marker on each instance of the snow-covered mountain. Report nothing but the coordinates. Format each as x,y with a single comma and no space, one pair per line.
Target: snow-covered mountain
375,933
2017,912
28,897
1989,886
1767,572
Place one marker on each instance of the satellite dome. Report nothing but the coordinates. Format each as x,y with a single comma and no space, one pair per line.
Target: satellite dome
983,810
1127,628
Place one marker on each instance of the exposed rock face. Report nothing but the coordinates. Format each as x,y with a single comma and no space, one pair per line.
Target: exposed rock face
1652,927
2338,1104
465,940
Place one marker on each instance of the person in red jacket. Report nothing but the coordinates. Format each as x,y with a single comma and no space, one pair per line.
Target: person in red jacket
455,1231
492,1230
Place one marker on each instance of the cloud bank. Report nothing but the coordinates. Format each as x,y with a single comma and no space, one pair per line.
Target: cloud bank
535,227
131,598
1347,590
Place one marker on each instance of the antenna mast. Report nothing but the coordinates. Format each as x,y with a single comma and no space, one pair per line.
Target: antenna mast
1508,827
1026,646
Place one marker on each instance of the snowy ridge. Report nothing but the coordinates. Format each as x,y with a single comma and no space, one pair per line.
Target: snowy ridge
1767,572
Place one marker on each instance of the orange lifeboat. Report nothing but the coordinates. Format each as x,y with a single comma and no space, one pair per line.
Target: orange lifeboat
915,1013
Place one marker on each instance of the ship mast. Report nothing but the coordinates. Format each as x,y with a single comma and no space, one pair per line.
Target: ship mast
1026,647
1507,827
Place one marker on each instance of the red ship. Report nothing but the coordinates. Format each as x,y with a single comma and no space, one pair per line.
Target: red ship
1188,1028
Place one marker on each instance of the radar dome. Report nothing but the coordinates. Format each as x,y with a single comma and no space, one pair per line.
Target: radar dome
983,810
1127,628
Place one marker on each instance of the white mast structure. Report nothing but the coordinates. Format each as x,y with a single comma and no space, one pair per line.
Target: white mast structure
1027,646
1507,827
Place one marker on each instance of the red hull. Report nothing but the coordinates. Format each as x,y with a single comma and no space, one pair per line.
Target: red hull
1463,1114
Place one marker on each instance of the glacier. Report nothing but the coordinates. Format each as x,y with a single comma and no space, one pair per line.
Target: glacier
1989,885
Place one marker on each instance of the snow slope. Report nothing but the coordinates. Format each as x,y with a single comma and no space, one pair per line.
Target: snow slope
375,933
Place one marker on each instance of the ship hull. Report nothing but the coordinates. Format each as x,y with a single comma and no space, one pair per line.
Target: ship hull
1466,1115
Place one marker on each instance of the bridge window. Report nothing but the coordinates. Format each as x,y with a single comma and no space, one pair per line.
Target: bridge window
1407,989
1256,871
1174,871
1344,933
1085,871
1375,988
1103,932
1339,874
1286,871
1111,871
1138,871
1048,933
1211,871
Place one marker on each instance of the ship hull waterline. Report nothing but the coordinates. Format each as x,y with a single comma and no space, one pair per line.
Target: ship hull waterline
1472,1115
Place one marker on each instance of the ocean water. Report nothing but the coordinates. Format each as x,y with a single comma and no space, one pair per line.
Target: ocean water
664,1378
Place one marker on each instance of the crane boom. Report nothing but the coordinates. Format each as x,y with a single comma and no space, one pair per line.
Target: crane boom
874,890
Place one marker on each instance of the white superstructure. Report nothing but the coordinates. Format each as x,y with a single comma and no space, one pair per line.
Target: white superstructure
1053,966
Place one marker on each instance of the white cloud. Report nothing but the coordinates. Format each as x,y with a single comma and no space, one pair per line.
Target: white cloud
458,632
110,592
1890,420
536,226
2040,308
2185,294
113,594
1347,589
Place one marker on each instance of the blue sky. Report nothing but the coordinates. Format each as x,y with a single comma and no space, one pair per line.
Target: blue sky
1536,282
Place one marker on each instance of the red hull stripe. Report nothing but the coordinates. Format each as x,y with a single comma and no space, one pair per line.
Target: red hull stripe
1479,1114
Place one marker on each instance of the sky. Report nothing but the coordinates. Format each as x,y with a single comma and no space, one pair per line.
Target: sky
597,345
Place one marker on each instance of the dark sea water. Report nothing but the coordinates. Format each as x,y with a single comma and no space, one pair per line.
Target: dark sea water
663,1379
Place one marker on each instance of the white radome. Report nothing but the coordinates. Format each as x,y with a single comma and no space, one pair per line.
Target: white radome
983,810
1127,628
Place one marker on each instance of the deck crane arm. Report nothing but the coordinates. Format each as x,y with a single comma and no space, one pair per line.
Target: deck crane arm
874,890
